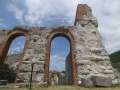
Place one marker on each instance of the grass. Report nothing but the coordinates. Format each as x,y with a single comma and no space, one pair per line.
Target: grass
63,88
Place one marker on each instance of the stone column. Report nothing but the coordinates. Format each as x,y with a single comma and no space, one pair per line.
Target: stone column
92,58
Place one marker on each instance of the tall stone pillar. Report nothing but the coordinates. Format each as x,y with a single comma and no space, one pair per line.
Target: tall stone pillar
92,58
3,36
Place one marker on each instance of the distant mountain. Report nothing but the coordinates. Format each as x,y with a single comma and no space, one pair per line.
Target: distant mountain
115,60
13,58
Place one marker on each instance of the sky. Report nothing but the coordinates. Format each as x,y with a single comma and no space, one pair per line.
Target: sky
60,48
17,45
62,12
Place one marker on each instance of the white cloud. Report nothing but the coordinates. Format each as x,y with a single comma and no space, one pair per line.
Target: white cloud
38,12
57,62
17,12
15,50
60,12
17,45
2,23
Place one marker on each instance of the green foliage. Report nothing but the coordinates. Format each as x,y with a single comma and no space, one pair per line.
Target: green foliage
115,60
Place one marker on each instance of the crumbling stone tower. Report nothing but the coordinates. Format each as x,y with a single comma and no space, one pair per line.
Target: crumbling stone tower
88,57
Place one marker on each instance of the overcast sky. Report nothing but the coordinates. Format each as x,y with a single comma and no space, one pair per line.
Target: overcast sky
62,12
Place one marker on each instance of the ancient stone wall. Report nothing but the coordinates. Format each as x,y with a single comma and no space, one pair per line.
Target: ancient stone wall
88,55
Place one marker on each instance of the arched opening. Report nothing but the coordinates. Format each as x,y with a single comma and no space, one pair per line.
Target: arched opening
59,66
68,60
12,54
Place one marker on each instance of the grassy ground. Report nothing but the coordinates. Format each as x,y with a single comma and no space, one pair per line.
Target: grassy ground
62,88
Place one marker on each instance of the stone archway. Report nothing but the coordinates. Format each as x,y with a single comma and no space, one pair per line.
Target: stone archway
9,74
11,36
67,34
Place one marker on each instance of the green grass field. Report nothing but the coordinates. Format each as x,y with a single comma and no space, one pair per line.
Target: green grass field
62,88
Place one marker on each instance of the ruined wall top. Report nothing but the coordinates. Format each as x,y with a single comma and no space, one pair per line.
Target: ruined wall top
83,12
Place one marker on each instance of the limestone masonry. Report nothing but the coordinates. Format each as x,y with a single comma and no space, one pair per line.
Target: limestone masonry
90,63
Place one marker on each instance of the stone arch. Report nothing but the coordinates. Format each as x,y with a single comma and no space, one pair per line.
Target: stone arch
11,35
68,35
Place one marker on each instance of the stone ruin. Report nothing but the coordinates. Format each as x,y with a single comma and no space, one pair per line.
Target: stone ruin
90,63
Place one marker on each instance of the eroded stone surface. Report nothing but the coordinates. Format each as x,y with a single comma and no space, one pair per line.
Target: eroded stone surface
102,81
87,82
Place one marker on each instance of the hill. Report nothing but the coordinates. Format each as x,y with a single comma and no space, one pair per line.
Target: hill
115,60
13,58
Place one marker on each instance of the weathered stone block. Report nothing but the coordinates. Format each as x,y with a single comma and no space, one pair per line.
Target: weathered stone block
38,77
25,67
23,77
87,82
38,67
84,62
102,81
